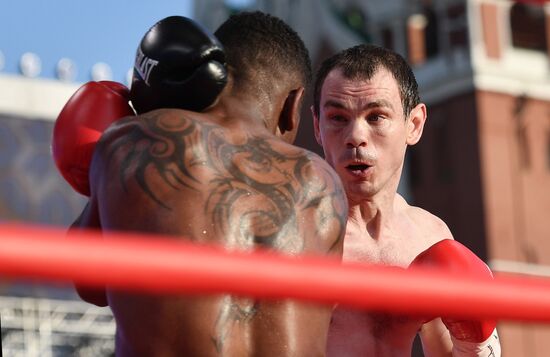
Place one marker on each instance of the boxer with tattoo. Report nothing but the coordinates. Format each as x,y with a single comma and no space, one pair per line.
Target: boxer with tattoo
227,175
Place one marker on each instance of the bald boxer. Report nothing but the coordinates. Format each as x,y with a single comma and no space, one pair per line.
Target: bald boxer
227,176
366,113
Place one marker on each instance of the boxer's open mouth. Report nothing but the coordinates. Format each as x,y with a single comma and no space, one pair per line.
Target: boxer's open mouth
361,171
359,167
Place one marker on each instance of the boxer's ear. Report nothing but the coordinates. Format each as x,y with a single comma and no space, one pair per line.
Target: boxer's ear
415,123
290,115
316,125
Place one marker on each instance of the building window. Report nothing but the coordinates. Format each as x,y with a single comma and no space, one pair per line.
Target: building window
528,25
423,34
457,23
431,31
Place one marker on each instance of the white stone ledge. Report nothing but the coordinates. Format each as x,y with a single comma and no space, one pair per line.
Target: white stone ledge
34,97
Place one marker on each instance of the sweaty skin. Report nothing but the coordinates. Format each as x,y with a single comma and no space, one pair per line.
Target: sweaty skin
364,133
218,181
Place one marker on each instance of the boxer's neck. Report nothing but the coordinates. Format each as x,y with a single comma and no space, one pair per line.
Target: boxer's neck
373,214
241,111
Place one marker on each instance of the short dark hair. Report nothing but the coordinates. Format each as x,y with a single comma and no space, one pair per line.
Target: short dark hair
256,43
362,62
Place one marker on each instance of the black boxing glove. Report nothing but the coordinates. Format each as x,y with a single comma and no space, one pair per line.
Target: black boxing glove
179,64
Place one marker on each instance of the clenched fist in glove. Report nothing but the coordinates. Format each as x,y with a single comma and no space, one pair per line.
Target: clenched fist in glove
469,337
84,118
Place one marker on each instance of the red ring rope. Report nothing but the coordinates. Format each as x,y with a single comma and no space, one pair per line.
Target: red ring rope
135,262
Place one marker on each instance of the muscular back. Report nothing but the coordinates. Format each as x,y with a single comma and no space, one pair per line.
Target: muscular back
178,173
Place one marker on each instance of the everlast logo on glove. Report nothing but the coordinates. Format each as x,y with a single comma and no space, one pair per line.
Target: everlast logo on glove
144,65
178,65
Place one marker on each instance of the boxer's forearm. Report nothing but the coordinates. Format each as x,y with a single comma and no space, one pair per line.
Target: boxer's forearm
436,340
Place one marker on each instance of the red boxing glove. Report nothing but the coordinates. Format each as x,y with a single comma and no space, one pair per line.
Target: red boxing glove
450,255
87,114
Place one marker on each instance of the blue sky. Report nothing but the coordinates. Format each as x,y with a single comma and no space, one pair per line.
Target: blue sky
84,31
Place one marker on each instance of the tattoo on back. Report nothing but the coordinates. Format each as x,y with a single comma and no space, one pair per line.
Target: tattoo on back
254,188
159,145
235,313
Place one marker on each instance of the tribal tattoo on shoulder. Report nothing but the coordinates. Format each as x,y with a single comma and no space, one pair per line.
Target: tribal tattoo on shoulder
256,186
157,145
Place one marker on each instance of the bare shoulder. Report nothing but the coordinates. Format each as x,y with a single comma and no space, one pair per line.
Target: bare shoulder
322,202
126,128
431,225
132,145
164,119
321,173
317,176
159,130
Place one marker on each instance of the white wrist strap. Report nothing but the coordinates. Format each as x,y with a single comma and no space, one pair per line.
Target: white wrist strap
488,348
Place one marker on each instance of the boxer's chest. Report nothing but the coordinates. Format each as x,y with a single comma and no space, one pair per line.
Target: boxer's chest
368,333
394,250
